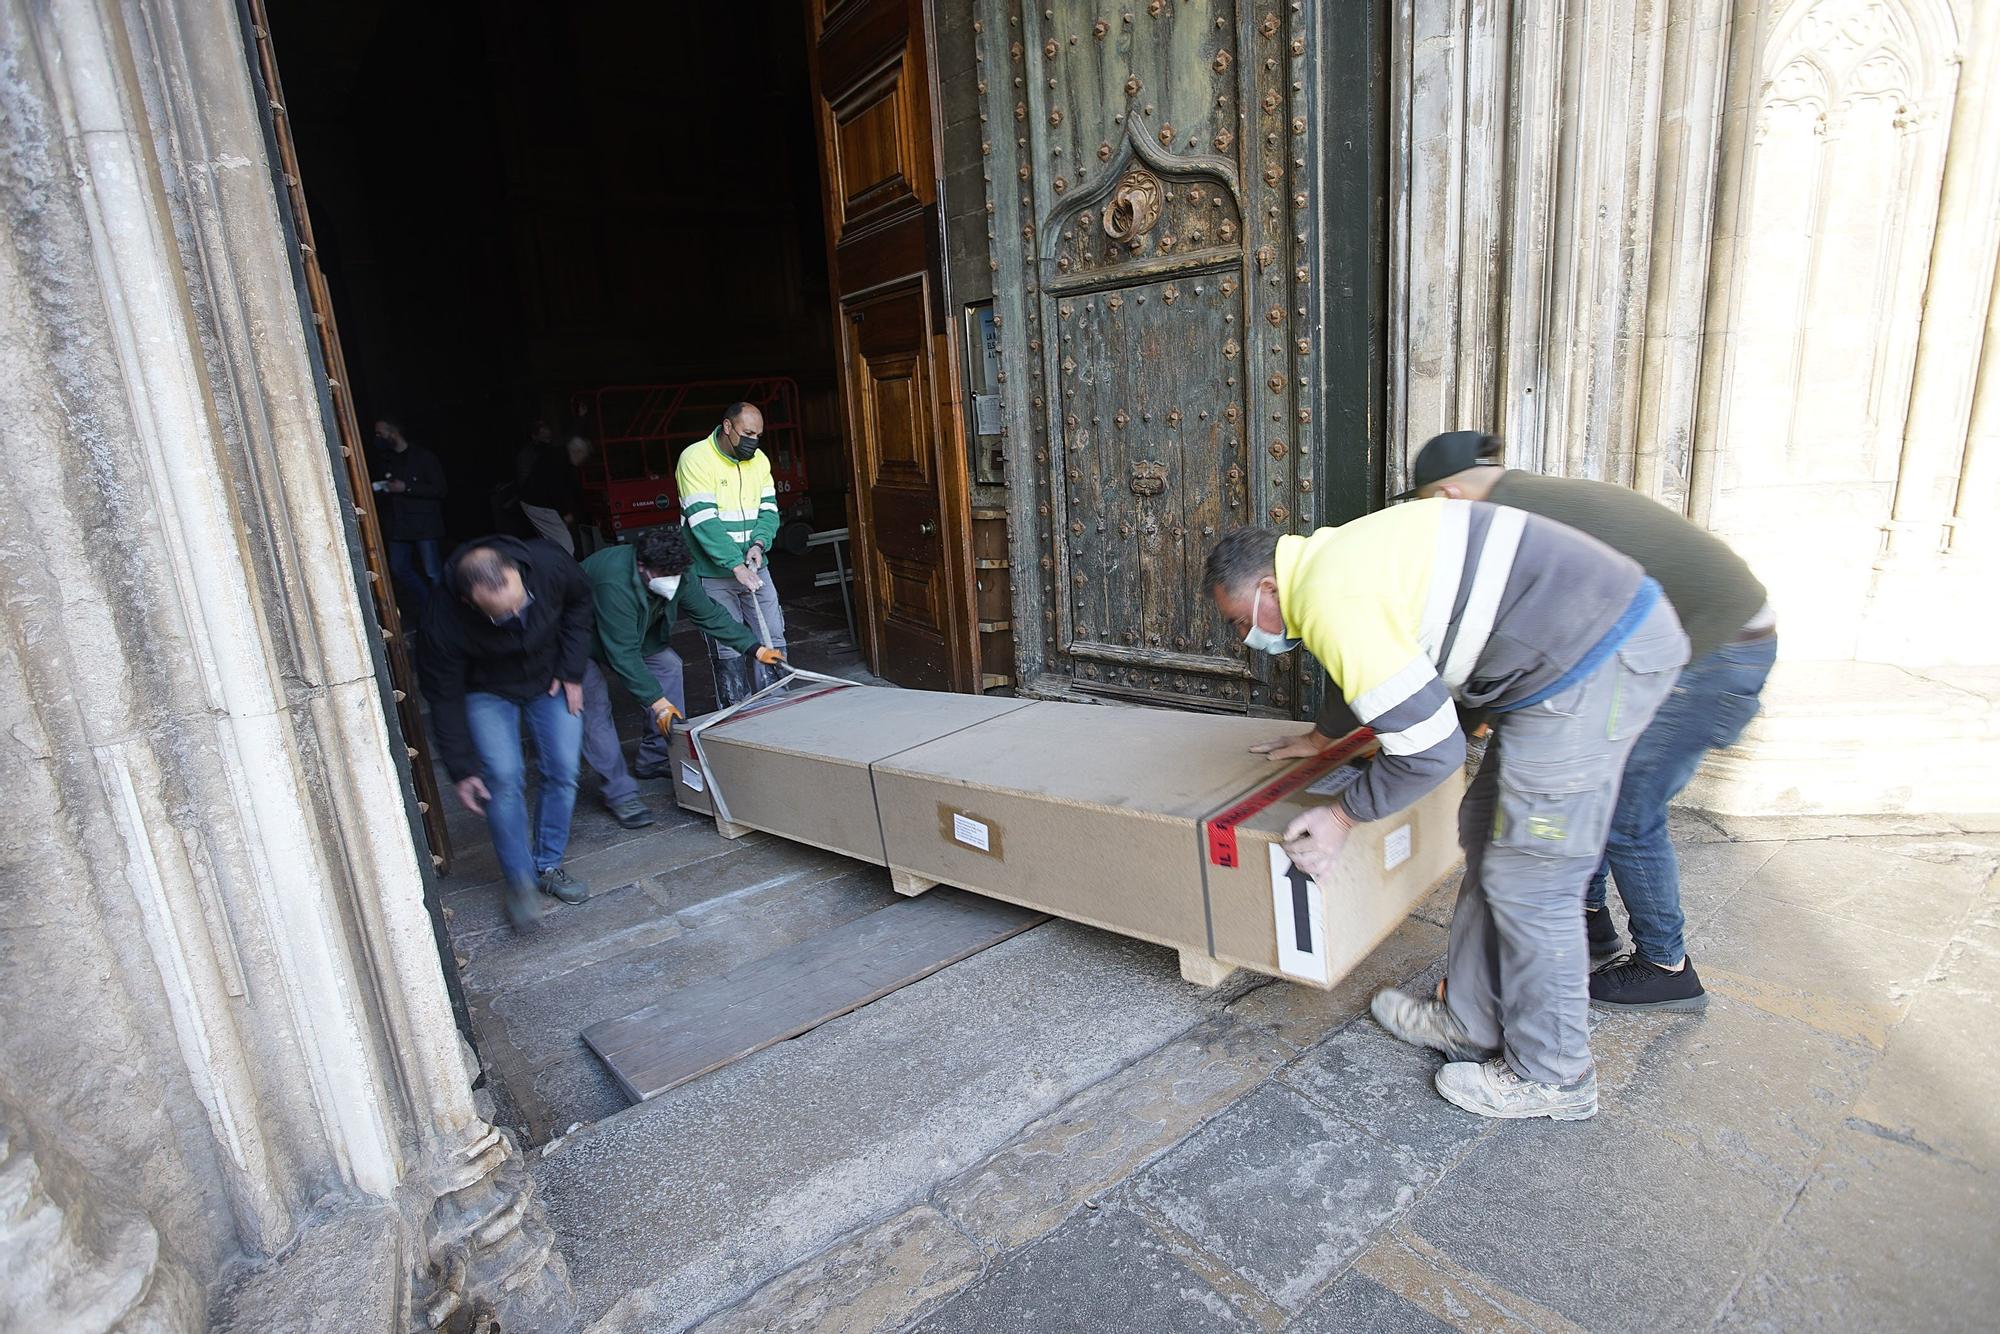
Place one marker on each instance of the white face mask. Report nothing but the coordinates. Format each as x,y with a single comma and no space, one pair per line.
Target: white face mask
1262,640
666,585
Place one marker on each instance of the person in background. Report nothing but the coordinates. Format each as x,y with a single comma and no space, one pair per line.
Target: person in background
730,506
532,449
638,592
409,499
1415,611
1733,637
548,494
509,646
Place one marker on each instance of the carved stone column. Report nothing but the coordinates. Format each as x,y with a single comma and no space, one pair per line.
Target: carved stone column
219,991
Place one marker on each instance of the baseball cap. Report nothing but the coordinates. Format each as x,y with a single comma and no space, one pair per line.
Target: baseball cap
1452,452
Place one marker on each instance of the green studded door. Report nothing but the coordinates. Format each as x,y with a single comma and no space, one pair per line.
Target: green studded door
1153,223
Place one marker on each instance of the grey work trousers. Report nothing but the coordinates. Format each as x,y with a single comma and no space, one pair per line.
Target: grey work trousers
600,732
733,671
1533,825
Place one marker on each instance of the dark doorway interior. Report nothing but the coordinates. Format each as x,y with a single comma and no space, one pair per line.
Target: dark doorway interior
515,202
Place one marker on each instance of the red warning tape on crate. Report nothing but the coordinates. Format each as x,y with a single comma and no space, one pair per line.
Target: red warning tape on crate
1220,830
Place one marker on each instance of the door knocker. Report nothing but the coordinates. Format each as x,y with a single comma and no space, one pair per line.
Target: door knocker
1134,206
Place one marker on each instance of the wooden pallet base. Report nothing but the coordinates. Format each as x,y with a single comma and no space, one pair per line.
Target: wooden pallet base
909,883
1203,971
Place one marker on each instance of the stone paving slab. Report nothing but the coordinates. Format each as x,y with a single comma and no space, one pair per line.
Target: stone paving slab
1610,1222
1108,1132
1374,1081
611,924
1938,1082
1887,888
1358,1303
1708,1085
1282,1191
684,1204
1711,874
876,1281
1886,1236
1429,1280
1869,973
1102,1270
1302,1016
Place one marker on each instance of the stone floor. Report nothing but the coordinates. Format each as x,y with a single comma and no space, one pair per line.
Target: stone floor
1060,1134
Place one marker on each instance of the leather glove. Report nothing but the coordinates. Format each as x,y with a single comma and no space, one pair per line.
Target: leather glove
771,657
664,714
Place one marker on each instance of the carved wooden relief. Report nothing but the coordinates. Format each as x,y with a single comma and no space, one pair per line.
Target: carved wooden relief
1152,221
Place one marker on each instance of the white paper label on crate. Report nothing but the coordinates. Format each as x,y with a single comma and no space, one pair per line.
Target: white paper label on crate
690,777
1396,849
971,833
1334,783
1301,929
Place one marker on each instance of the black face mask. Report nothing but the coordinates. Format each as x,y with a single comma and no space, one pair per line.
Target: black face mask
744,449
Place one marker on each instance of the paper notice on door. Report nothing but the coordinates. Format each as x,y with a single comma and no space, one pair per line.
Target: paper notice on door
690,777
1396,848
972,833
986,417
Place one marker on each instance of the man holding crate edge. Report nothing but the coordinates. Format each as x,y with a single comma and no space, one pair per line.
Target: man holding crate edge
1733,644
638,592
1570,648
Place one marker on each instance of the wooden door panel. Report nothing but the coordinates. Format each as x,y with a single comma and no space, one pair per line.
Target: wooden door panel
890,337
1153,197
1153,438
912,519
874,162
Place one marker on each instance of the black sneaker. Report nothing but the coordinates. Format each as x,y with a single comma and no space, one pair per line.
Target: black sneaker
645,772
560,884
1631,983
1605,942
631,812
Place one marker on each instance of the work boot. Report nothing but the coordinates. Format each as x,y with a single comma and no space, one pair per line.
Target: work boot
630,812
1602,931
647,770
1491,1088
1425,1023
560,884
524,913
1633,983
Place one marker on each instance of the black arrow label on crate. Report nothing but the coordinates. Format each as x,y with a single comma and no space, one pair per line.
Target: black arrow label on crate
1301,909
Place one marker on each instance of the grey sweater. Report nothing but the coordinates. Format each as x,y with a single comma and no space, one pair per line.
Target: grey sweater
1710,586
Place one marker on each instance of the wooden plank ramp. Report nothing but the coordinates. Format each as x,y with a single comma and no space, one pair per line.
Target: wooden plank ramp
706,1026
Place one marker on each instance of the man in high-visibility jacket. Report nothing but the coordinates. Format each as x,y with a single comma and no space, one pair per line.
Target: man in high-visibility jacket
730,506
1570,647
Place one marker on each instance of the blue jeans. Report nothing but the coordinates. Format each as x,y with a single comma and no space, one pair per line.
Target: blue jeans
496,734
1710,706
417,567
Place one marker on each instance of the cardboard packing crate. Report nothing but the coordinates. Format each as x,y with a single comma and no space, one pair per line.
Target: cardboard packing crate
1111,816
690,788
